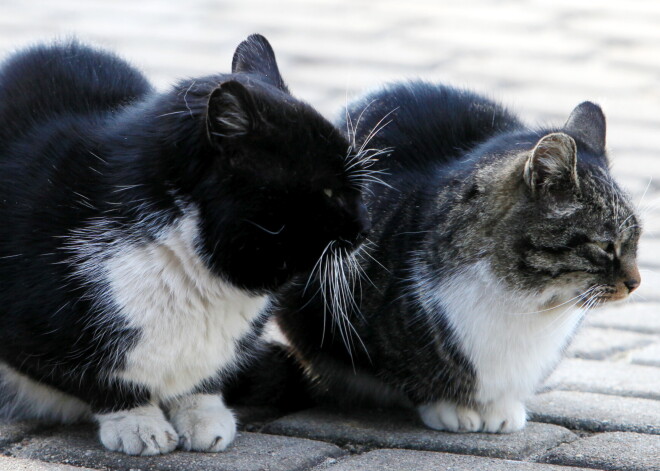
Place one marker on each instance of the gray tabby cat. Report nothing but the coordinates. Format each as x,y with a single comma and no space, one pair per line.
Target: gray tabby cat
490,241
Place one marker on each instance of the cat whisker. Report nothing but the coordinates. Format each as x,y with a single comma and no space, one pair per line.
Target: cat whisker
569,301
590,298
378,127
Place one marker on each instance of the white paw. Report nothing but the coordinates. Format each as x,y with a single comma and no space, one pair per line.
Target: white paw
204,423
504,417
443,415
140,431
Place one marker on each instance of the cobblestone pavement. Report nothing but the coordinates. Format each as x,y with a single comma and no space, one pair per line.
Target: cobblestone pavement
601,407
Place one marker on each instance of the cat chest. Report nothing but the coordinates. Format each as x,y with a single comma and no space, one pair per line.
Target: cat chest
511,343
189,321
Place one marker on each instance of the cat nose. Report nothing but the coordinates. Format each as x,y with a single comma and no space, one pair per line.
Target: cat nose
631,277
631,284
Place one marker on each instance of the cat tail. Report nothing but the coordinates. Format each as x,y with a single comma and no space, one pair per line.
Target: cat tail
274,378
22,398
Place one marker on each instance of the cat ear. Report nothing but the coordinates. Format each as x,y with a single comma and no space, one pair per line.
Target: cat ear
231,111
255,56
587,123
552,164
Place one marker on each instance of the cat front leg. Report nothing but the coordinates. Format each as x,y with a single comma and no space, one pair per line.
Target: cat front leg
203,421
142,431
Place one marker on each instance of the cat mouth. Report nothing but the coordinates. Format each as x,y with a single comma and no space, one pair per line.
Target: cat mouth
601,294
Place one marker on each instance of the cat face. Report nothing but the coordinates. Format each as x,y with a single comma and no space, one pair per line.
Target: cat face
275,185
576,231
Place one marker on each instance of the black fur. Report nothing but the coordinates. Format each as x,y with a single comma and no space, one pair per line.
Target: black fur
453,195
91,155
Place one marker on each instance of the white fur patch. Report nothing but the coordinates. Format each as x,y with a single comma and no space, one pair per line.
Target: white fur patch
189,319
203,422
140,431
511,341
30,399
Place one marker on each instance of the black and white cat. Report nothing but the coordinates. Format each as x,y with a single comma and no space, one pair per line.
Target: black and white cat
490,240
143,234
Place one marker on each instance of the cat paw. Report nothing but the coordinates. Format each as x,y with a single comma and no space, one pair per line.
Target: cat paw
504,417
443,415
140,431
204,423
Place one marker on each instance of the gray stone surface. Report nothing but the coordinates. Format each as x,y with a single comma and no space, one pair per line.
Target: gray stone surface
618,451
606,377
79,446
595,343
405,460
11,432
400,429
252,418
636,316
18,464
596,412
649,355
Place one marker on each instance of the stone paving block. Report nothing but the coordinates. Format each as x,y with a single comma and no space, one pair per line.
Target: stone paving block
616,451
406,460
606,377
636,316
11,432
599,343
647,356
251,417
79,446
596,412
401,429
18,464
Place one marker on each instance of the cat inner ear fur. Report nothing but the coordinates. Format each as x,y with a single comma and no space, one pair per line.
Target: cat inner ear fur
551,168
587,123
231,111
256,56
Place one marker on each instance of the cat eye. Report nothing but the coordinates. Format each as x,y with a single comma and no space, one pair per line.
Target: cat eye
604,246
328,192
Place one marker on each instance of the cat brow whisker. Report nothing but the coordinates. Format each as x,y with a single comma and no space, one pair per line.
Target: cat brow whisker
172,113
185,98
648,185
264,229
